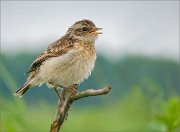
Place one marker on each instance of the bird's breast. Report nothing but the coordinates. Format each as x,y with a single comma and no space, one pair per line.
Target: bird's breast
68,69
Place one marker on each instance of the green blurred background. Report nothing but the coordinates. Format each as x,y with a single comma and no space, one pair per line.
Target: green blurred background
138,55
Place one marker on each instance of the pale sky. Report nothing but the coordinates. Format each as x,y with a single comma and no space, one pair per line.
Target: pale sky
136,27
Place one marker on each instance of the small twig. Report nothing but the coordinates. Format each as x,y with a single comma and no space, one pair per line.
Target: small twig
66,101
91,92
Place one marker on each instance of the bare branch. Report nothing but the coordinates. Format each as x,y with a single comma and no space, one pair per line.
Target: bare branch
91,92
65,101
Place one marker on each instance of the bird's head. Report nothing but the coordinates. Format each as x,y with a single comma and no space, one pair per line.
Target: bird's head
84,30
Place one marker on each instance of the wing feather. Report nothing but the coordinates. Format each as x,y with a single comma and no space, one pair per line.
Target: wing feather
58,48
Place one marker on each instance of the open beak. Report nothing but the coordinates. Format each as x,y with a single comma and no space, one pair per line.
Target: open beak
96,31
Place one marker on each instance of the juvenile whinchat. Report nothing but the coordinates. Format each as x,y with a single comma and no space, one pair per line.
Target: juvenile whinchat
67,61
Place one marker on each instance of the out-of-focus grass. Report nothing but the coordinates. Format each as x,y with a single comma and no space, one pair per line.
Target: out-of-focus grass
133,113
30,118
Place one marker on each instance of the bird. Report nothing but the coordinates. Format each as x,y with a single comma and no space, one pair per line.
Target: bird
67,61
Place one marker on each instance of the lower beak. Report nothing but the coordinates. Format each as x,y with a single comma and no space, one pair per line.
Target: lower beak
97,31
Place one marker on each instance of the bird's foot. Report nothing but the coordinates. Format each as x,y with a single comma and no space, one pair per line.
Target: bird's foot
56,91
73,89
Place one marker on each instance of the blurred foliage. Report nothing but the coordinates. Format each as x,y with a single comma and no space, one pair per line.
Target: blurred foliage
168,116
145,97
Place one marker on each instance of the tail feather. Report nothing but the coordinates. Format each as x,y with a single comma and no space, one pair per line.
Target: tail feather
22,90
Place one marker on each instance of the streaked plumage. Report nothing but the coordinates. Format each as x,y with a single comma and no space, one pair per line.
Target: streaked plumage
67,61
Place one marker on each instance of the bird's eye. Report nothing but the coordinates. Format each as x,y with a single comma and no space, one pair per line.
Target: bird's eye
84,29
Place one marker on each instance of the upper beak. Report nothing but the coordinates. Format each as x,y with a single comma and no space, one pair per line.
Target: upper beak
96,31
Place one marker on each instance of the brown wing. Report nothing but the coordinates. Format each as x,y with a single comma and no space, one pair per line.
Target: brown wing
37,63
58,48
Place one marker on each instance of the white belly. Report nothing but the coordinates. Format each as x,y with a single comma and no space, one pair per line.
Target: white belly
67,70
